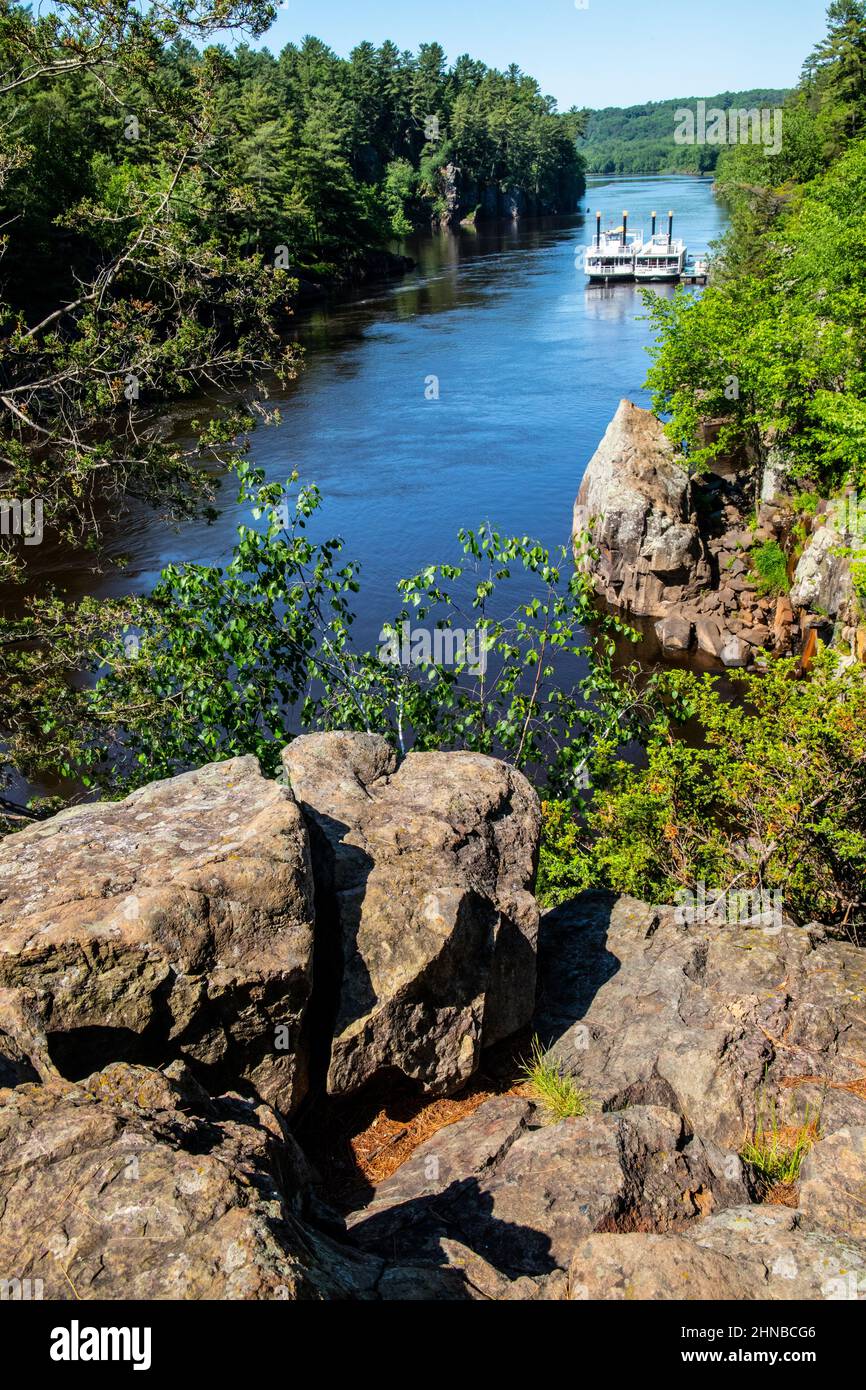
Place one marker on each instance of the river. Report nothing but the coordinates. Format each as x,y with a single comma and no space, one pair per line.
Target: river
531,364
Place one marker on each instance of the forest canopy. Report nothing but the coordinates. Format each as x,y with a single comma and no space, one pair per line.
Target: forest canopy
164,192
640,139
784,314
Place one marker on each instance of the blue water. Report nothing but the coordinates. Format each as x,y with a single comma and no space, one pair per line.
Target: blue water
531,364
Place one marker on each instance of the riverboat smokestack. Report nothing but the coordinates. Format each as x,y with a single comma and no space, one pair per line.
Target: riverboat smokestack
653,216
624,224
598,229
670,227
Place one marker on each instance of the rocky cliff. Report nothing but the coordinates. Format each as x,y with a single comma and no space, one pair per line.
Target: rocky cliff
680,550
184,972
463,198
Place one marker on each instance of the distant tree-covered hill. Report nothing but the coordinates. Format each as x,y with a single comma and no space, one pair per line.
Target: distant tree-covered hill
640,139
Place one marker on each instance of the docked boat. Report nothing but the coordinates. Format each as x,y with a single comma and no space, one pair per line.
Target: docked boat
662,257
610,257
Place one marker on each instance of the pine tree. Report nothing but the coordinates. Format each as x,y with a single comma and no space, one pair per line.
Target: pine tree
835,74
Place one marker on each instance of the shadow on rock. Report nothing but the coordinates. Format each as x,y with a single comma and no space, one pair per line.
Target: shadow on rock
573,962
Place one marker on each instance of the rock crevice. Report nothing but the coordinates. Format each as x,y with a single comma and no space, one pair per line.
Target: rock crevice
430,867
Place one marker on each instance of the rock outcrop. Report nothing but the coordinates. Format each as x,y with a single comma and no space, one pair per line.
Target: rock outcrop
524,1200
822,579
113,1187
823,586
151,950
465,199
833,1181
683,1036
635,502
158,953
176,923
425,873
718,1022
181,923
134,1184
745,1253
677,550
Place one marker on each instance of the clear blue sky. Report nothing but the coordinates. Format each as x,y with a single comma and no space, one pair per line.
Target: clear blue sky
613,53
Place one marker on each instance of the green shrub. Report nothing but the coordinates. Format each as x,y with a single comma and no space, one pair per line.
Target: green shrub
769,792
805,503
770,567
565,867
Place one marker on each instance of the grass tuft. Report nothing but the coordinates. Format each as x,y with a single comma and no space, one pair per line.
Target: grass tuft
776,1152
558,1094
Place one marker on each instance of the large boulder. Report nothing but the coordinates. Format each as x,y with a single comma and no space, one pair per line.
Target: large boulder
635,503
734,652
175,923
718,1022
424,874
675,634
130,1184
822,580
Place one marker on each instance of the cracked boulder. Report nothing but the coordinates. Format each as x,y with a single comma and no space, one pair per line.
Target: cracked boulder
175,923
425,915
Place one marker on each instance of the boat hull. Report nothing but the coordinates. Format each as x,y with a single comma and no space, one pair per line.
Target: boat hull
598,278
659,276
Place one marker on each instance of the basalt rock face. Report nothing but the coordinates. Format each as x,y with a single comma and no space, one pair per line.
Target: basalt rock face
449,192
426,870
833,1181
466,199
635,502
718,1022
822,579
170,939
823,588
23,1046
176,923
524,1200
750,1253
678,551
164,1172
